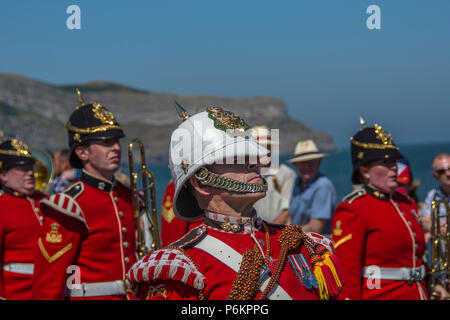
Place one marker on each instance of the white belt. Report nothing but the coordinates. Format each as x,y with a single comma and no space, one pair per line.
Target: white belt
408,274
232,259
17,267
97,289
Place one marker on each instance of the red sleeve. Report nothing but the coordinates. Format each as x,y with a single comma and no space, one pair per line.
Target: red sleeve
57,248
349,244
2,234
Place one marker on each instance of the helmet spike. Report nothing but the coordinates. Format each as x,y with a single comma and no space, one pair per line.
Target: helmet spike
362,121
80,97
182,113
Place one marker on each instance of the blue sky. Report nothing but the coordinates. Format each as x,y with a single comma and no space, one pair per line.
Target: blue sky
317,56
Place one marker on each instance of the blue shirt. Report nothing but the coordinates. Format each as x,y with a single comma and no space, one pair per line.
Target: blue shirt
316,200
437,194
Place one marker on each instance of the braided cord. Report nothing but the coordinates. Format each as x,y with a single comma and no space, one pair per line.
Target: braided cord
289,239
246,284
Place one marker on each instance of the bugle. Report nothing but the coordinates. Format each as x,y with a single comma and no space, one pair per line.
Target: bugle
141,202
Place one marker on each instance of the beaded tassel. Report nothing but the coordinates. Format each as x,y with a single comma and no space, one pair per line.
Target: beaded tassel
324,269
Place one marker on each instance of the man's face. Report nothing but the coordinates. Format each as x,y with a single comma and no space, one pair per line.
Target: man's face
308,169
240,172
382,174
19,178
101,156
441,171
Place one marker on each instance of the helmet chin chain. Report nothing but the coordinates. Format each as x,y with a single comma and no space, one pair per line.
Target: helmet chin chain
208,178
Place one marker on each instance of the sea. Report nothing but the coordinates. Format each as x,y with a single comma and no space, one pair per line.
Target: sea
338,168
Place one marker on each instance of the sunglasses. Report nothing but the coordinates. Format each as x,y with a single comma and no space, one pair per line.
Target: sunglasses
441,171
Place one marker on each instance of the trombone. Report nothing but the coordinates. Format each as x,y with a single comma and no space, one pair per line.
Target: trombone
440,245
44,170
148,183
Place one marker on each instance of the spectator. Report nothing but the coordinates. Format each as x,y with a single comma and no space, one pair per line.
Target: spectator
441,172
280,182
64,173
314,197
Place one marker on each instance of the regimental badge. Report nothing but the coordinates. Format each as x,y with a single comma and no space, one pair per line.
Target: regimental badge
21,148
77,137
228,121
360,155
167,210
337,231
54,236
102,114
157,290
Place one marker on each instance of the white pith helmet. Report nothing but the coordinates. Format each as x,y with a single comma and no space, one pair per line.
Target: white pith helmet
208,137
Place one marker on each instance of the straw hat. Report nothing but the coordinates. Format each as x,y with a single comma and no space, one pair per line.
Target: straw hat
262,135
305,151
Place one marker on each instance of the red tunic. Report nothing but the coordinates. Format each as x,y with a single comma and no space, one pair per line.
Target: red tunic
173,228
91,227
20,222
184,271
371,228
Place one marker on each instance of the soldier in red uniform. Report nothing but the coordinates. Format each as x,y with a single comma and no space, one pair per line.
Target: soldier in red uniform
233,254
376,230
87,243
173,228
20,219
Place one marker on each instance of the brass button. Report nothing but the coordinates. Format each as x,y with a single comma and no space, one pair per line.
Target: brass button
121,214
125,245
124,230
127,260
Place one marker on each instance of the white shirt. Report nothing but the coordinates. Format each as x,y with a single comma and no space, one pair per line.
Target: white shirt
280,182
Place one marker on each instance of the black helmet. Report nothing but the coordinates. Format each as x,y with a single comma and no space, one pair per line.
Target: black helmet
90,121
13,152
369,144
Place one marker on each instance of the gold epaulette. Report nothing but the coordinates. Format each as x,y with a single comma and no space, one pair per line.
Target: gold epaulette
354,195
